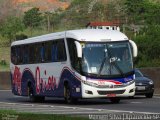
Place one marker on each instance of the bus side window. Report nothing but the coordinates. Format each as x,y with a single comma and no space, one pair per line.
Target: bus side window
37,53
13,55
18,55
73,54
54,51
25,55
42,52
31,54
61,51
48,50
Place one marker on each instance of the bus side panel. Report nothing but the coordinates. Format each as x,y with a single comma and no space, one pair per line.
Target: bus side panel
73,82
20,80
26,81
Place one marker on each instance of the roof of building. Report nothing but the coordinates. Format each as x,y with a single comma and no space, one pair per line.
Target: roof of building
108,23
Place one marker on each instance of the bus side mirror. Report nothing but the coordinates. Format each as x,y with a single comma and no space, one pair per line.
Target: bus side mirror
134,47
79,49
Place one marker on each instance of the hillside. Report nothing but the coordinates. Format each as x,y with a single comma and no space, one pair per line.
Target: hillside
44,5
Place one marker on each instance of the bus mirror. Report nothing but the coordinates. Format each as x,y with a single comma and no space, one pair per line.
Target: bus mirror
79,49
134,47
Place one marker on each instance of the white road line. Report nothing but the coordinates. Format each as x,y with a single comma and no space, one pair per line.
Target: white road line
156,97
82,108
5,90
136,102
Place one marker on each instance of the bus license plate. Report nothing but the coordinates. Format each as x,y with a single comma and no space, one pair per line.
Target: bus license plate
140,88
111,95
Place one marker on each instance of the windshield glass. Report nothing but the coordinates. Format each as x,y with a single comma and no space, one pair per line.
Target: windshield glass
107,59
138,74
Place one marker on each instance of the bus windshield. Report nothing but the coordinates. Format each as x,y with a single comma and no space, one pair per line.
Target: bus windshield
107,59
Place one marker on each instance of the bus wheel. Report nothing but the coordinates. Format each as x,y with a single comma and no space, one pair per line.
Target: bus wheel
67,95
34,98
150,95
115,100
31,94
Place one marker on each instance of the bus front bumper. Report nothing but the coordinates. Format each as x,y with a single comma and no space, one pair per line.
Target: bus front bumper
94,92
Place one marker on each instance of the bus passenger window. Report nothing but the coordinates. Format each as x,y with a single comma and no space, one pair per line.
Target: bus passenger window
47,51
18,55
42,52
25,55
54,52
13,55
73,54
61,52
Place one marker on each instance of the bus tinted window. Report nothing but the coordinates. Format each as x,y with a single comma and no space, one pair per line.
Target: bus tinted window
26,55
13,55
47,49
42,52
73,54
61,52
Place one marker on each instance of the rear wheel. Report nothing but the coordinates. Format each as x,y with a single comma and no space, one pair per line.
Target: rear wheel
34,98
149,95
115,100
67,95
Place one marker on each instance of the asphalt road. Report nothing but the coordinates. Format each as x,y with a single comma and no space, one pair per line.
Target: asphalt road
138,105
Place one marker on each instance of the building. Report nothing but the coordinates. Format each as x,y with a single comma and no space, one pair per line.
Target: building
104,25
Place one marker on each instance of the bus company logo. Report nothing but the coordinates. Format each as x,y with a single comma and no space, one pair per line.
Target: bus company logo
17,79
43,85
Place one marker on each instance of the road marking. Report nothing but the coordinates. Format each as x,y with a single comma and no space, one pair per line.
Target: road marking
81,108
136,102
5,90
156,97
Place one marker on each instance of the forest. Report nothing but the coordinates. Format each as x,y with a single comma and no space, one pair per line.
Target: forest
139,20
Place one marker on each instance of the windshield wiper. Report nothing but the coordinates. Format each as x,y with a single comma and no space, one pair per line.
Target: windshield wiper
112,61
118,68
101,67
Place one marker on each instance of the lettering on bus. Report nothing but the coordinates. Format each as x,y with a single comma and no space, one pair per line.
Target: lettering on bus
17,79
43,85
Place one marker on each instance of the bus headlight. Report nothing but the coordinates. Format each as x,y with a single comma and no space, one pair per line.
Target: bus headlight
90,83
129,83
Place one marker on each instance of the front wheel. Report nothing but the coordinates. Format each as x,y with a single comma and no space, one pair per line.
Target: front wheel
149,95
67,95
115,100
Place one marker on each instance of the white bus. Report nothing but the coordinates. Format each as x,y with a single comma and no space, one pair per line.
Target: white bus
74,64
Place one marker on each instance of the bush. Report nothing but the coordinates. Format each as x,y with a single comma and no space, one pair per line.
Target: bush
148,42
21,37
3,62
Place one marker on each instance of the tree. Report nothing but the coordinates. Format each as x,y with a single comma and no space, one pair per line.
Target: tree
11,27
32,18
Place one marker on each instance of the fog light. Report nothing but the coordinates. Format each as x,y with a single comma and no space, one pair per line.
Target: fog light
132,90
88,92
78,90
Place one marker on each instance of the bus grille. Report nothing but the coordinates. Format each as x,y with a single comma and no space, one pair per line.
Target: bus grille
111,92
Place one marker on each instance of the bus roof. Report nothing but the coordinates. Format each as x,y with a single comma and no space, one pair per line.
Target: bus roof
94,35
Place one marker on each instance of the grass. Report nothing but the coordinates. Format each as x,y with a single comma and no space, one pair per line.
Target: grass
4,55
31,116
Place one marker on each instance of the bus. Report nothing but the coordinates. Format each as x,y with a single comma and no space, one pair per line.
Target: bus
74,64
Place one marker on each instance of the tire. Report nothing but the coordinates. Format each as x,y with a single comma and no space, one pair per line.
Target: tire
115,100
33,98
149,95
68,96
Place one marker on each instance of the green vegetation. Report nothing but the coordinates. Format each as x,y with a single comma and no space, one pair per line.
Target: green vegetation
30,116
140,20
11,27
4,58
